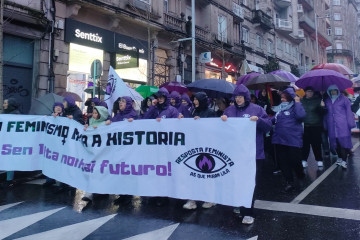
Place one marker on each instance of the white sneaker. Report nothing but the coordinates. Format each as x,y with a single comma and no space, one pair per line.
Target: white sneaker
304,163
339,161
320,164
190,204
248,220
343,165
208,204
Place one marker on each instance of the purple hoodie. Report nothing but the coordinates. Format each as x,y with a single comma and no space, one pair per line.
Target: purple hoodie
288,123
162,110
339,120
263,124
178,104
129,111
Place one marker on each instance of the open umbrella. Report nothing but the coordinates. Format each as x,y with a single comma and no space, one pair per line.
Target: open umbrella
285,74
214,88
243,79
76,97
267,80
175,86
44,105
335,67
146,90
321,79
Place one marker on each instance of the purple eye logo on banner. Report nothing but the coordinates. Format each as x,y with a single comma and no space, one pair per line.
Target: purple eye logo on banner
206,162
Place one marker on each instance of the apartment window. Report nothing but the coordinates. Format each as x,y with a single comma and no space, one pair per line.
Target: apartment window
338,31
339,46
245,34
336,2
337,16
146,1
245,2
269,46
278,44
258,40
287,47
166,6
222,30
294,51
237,33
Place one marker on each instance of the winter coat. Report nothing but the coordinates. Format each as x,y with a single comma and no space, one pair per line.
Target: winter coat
263,124
178,104
129,111
314,111
74,110
103,116
338,121
203,110
162,110
288,129
189,105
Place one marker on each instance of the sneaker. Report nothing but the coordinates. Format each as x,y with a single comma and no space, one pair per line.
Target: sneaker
236,210
320,164
339,161
343,165
248,220
208,204
304,163
190,204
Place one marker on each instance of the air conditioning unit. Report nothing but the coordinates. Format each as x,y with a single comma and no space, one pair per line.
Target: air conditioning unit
301,33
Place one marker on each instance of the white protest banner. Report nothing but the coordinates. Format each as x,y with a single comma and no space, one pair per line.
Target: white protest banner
205,159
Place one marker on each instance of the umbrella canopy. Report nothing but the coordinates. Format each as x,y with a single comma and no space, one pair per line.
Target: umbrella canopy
44,105
146,91
335,67
76,97
214,88
134,94
175,86
243,79
91,88
286,75
321,79
265,80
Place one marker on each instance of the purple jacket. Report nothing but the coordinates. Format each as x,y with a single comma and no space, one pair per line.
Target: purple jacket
338,121
162,110
263,124
288,126
178,104
129,112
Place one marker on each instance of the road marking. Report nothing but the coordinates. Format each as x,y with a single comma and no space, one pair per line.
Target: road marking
309,210
13,225
313,185
160,234
322,177
3,207
75,231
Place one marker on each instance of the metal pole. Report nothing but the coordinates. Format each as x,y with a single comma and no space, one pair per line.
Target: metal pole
1,54
353,54
193,40
94,79
316,39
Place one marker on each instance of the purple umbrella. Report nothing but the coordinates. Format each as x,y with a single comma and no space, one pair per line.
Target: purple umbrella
321,79
285,74
175,86
247,77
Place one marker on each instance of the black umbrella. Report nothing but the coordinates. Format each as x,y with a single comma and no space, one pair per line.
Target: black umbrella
267,80
214,88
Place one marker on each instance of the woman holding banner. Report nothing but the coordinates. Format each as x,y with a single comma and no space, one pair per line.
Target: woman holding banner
245,109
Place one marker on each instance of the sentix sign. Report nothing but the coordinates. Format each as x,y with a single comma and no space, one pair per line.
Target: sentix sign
126,59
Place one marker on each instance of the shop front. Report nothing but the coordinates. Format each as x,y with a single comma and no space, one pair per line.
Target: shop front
213,69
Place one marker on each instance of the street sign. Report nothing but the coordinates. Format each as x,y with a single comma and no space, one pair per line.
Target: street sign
205,57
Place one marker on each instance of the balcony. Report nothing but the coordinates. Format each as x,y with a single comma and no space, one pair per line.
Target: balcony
202,33
283,25
282,3
173,22
307,4
238,12
263,19
344,52
307,24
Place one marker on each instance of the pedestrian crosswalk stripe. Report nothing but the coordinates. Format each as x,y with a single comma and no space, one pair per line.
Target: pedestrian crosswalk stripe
13,225
74,232
160,234
2,208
